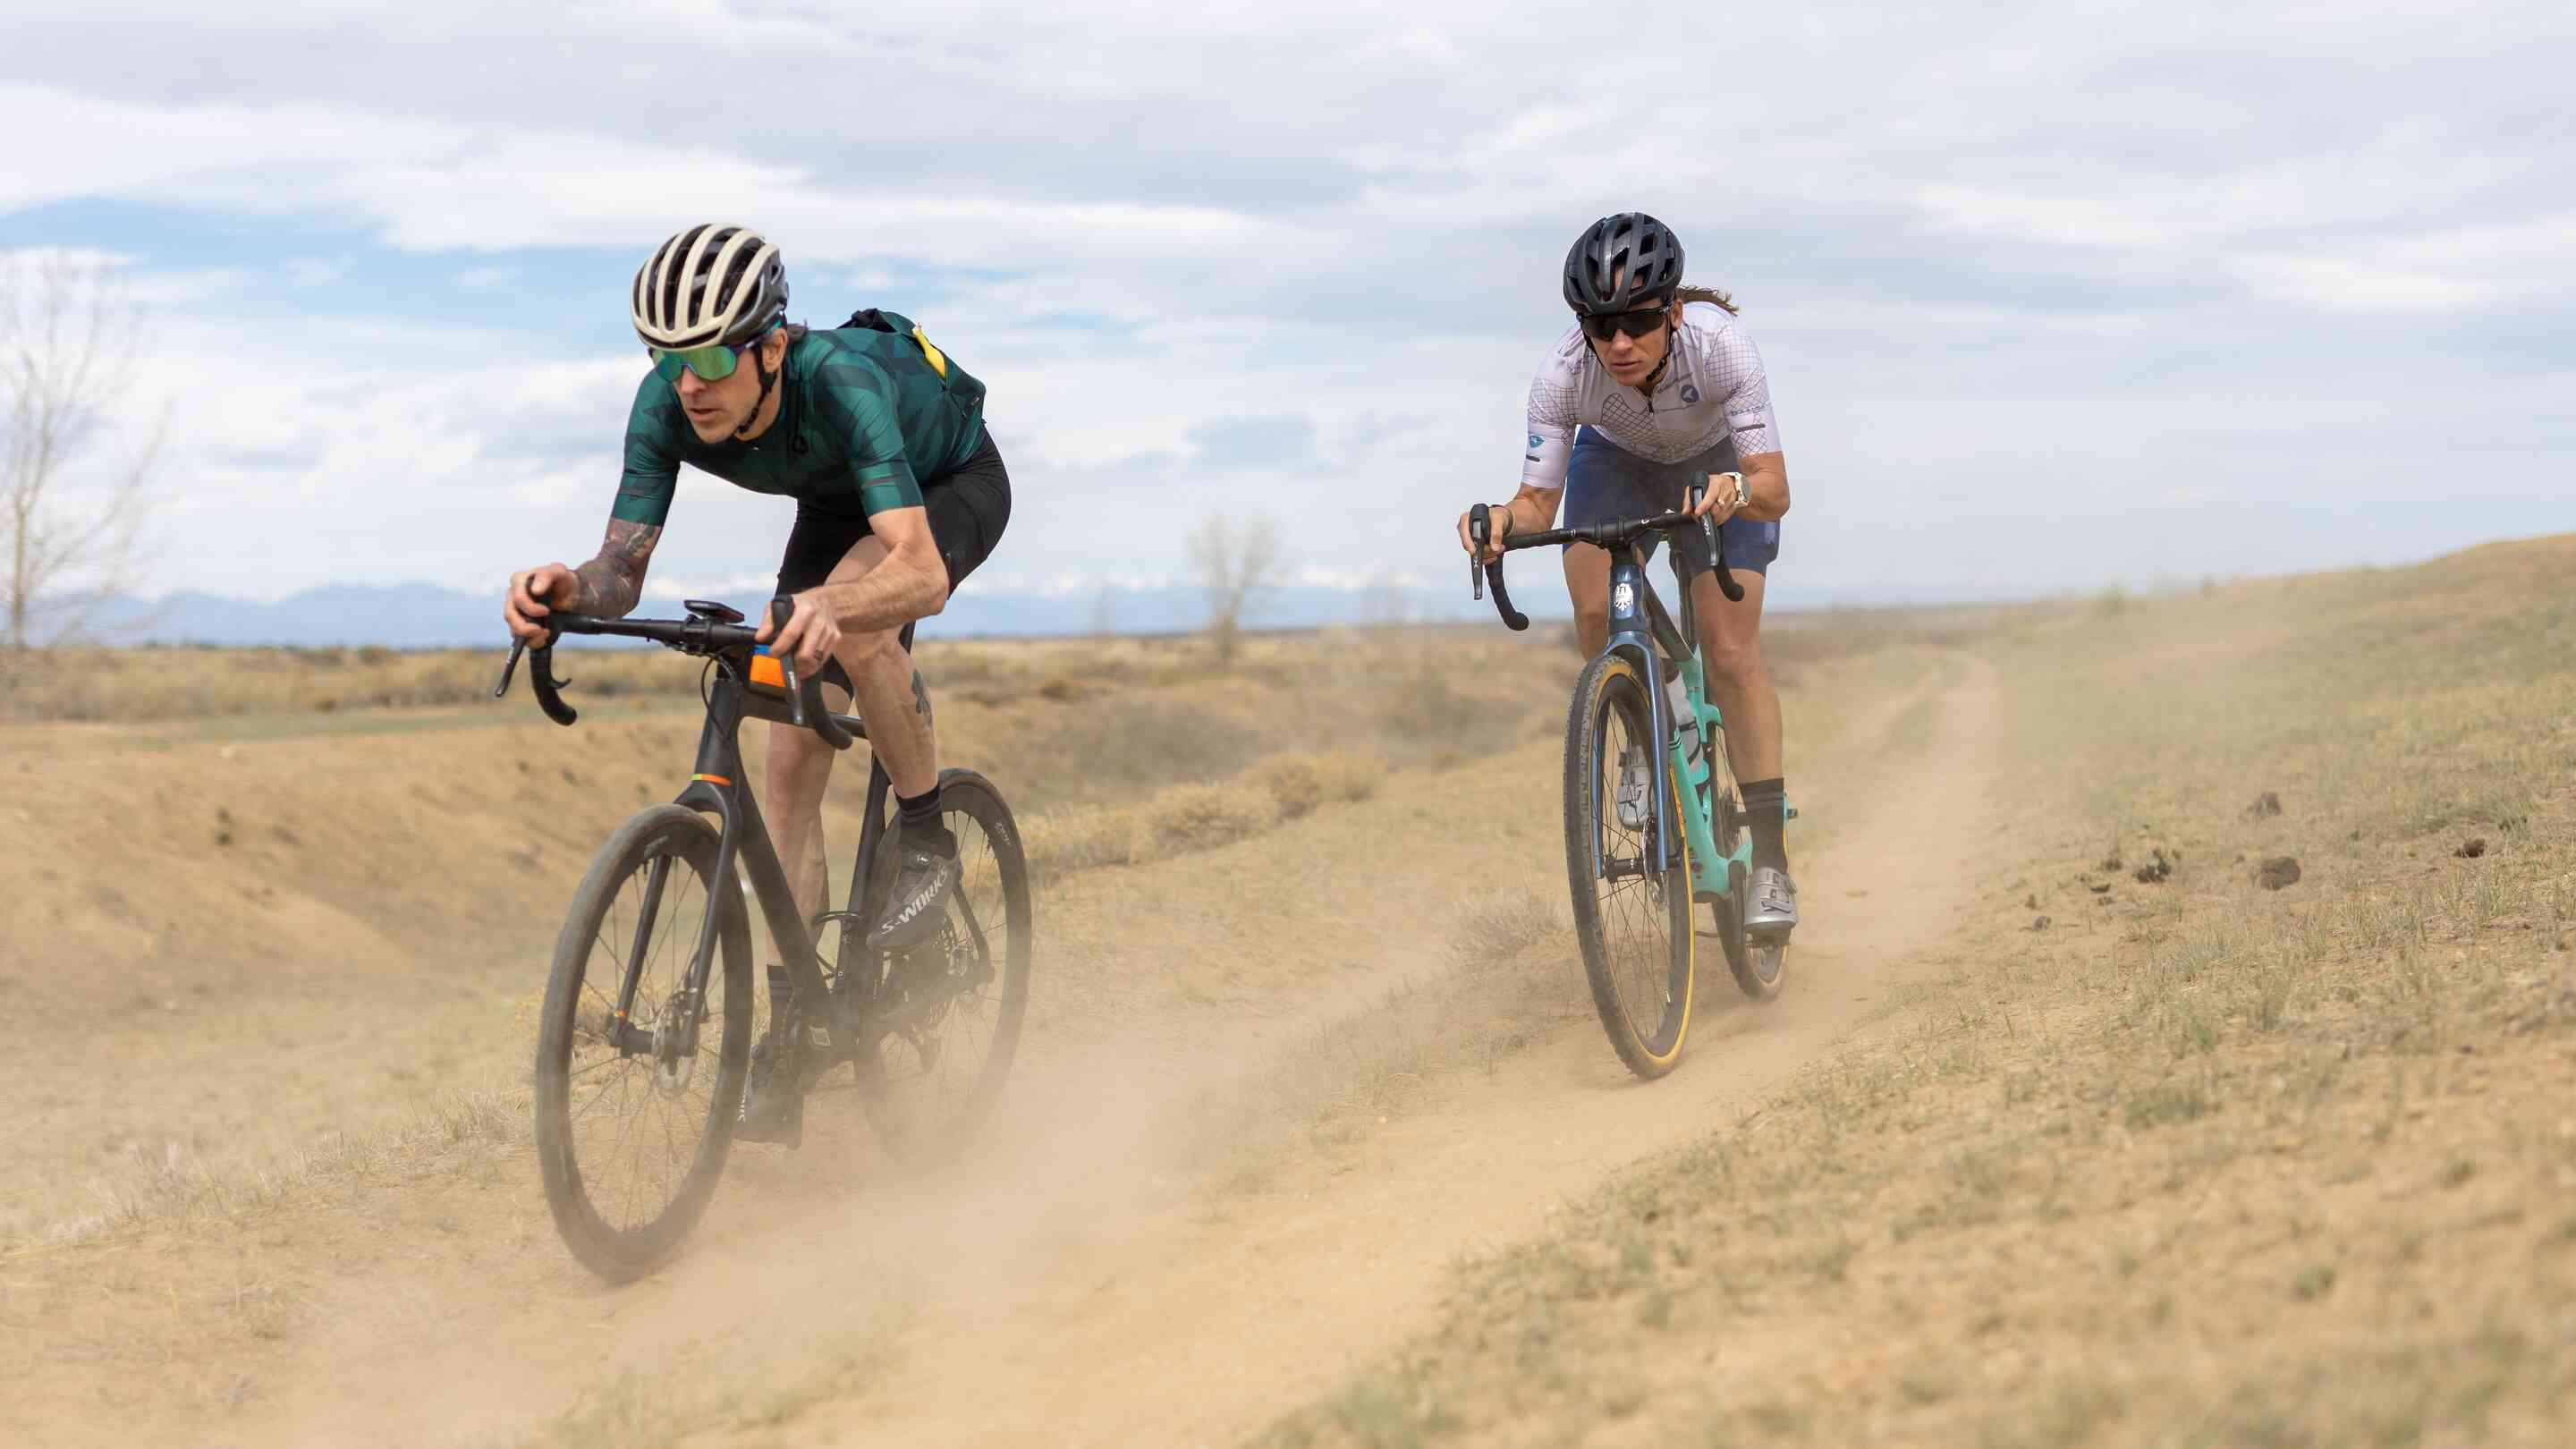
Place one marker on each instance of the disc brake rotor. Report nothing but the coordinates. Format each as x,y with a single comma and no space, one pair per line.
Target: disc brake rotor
673,1065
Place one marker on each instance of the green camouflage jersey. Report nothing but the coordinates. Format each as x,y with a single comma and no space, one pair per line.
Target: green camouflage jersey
864,417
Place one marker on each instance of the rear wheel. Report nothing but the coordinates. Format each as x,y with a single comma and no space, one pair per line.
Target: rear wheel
949,1010
1632,894
634,1116
1755,967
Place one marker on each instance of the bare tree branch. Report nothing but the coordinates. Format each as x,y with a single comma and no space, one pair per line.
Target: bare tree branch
67,536
1227,555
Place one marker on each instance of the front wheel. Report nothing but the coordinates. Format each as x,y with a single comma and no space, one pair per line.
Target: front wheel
947,1019
1632,889
635,1110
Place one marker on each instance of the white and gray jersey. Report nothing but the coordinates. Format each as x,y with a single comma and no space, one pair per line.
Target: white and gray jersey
1713,389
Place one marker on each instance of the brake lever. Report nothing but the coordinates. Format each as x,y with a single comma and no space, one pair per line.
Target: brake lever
1726,583
510,666
1480,528
780,610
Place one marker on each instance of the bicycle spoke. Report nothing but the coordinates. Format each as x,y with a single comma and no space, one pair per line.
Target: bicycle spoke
1632,905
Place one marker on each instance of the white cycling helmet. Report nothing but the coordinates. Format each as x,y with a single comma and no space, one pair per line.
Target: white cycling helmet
707,285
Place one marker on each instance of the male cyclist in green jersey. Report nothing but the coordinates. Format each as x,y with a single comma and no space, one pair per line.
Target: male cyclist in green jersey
900,493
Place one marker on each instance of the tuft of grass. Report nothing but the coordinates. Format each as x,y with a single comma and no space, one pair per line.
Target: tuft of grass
2162,1104
446,1131
2313,1282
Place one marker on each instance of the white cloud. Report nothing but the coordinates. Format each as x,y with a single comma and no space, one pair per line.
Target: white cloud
2038,267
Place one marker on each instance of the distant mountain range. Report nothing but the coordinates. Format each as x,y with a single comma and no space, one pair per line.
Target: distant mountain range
422,616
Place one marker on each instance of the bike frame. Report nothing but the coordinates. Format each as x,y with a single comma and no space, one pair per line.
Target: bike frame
716,788
1653,641
1643,631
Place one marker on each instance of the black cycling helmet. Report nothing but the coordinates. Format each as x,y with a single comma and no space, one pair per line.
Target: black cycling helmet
1622,263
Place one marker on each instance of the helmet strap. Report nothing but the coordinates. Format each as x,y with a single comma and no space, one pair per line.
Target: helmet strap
768,379
1672,331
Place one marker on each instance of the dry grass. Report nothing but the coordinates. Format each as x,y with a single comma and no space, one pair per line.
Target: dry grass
2198,1163
464,1133
719,1391
1187,818
154,683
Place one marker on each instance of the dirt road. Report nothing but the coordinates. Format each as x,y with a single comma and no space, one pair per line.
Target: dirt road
1069,1285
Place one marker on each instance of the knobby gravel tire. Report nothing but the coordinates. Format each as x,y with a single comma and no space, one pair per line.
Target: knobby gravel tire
606,1230
1611,929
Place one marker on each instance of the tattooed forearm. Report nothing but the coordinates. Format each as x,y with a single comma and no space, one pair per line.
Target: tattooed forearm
613,583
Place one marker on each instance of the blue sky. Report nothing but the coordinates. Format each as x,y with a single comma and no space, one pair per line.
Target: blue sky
2052,297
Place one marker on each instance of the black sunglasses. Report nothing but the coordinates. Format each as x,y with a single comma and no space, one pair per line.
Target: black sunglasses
1635,324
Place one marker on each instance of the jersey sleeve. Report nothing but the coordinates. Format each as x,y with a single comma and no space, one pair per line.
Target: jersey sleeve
652,472
855,400
1737,365
1553,414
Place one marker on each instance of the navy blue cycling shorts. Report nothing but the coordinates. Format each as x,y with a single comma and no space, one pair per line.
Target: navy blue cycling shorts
1605,483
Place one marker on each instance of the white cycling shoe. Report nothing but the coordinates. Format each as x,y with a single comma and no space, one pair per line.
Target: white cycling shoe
1775,903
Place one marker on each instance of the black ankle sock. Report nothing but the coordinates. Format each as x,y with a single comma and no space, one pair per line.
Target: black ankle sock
1764,800
917,817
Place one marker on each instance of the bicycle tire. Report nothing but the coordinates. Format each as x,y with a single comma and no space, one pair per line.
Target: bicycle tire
578,1067
1617,941
921,1107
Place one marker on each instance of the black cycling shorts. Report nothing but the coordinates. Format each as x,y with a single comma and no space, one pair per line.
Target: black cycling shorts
968,509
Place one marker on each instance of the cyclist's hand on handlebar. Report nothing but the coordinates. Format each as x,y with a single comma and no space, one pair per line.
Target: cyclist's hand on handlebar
812,634
1717,500
1502,527
533,594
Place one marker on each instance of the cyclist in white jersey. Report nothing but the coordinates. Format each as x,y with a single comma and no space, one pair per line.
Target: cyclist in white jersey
1654,387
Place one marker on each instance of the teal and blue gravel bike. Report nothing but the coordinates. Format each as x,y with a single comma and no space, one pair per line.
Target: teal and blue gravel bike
1653,823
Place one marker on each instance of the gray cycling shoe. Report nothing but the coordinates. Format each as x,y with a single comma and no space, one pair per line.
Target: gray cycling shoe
1636,789
1775,903
925,872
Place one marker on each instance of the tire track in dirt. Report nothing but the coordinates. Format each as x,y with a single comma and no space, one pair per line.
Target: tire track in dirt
1197,1331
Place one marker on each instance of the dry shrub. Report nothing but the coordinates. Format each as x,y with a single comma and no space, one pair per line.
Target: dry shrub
1299,783
1203,817
1496,927
1086,839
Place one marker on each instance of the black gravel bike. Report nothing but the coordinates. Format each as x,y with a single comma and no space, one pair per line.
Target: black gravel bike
1653,823
650,1027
